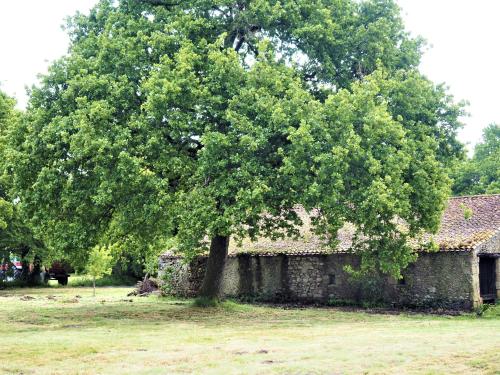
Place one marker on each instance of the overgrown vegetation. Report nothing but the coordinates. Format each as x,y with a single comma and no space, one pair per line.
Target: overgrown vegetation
468,212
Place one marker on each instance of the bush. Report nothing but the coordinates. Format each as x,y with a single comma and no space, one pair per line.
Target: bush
108,280
481,309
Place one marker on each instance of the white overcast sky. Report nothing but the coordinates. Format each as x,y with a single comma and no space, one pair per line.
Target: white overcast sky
463,36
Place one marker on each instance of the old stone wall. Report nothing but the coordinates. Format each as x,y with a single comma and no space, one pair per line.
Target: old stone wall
492,246
184,280
445,279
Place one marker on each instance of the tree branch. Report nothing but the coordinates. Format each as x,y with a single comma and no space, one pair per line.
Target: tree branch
309,75
164,3
240,43
253,49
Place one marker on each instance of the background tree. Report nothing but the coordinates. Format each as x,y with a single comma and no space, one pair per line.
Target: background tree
100,263
16,238
208,120
7,117
481,173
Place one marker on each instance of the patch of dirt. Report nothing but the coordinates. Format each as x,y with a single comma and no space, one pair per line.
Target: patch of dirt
73,300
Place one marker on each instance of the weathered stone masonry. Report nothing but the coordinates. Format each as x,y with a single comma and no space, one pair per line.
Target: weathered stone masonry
291,270
438,279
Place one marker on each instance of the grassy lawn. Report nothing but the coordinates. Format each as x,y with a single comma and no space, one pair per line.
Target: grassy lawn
67,331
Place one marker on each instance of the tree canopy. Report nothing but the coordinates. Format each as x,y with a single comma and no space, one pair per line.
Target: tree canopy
16,236
481,173
206,120
7,116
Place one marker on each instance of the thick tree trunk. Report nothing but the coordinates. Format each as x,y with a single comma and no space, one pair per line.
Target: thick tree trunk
25,271
30,273
211,286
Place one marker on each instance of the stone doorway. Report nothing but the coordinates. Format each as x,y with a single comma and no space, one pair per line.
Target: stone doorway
487,278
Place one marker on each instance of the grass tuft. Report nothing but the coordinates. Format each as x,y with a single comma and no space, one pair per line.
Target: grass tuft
205,302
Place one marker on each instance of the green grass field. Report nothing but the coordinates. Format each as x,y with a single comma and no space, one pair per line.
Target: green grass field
67,331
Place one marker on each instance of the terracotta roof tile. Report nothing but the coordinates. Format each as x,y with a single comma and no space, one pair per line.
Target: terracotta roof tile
467,221
459,230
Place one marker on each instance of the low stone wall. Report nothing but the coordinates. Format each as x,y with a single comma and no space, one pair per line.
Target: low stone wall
444,279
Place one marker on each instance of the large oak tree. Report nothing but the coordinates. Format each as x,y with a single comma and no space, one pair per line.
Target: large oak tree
205,120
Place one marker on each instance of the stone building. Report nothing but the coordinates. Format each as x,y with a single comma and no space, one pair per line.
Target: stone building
462,274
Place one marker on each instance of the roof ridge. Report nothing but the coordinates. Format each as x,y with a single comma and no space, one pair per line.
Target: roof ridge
474,196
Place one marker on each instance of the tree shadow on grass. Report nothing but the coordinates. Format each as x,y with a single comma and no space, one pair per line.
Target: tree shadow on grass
61,315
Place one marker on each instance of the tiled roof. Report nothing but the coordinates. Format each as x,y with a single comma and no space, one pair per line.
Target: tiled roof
467,221
459,231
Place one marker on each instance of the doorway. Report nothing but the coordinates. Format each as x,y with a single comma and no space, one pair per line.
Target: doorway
487,278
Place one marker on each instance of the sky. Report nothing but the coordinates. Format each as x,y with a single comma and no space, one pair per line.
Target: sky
463,49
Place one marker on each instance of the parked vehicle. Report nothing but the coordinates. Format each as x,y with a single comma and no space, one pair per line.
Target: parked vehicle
59,271
10,270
